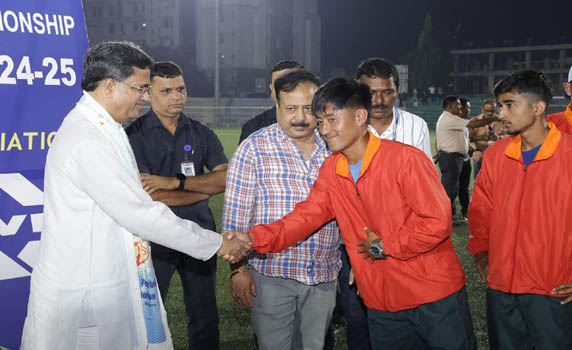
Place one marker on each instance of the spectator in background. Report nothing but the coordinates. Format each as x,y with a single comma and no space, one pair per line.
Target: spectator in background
465,175
520,218
268,117
386,120
292,293
452,139
485,135
563,120
164,141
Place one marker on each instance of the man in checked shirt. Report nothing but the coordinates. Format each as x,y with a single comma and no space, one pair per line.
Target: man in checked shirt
292,293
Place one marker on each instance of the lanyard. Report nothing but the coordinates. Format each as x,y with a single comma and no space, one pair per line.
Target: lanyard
396,118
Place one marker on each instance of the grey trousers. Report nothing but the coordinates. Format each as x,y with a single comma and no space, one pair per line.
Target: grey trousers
282,305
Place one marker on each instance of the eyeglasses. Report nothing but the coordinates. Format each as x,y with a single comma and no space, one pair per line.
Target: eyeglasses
141,89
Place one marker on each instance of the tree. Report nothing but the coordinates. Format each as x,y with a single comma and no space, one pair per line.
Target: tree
425,62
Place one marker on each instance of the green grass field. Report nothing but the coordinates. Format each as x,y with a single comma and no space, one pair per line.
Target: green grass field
235,328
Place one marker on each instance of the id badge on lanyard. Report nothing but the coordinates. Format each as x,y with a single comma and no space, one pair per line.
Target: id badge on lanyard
187,166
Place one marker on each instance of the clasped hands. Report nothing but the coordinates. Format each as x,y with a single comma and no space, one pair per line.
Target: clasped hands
235,246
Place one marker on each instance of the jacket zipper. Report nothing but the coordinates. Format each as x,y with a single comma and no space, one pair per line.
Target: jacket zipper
525,169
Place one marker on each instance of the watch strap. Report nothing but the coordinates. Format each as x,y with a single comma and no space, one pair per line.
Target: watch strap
181,178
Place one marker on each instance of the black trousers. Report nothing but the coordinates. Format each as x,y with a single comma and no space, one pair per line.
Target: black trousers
528,321
464,181
355,312
199,280
442,324
451,165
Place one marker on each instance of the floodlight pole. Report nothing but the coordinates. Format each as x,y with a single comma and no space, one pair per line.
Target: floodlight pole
217,57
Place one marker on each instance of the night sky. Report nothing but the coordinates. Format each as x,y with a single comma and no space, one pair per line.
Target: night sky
354,30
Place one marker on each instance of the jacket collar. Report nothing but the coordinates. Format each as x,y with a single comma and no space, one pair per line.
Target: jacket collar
547,149
152,121
343,166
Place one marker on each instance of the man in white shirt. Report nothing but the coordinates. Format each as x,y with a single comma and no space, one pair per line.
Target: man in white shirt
386,120
93,285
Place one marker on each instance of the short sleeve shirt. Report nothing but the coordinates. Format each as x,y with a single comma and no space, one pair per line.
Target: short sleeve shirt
159,153
451,134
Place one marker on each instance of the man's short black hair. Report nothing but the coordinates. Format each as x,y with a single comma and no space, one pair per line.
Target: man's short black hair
376,67
526,82
341,93
112,59
290,81
447,101
286,64
165,69
488,101
464,102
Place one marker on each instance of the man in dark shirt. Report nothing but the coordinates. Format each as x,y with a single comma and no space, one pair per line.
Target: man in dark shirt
167,145
268,117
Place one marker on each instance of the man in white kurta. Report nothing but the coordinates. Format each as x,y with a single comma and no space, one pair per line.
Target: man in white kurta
93,285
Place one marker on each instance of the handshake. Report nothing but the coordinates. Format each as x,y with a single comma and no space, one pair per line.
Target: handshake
235,246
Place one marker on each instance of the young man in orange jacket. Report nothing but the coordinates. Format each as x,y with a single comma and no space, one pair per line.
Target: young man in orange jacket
563,120
391,209
520,218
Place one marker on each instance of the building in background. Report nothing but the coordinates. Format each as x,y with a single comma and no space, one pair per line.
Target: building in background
475,71
254,34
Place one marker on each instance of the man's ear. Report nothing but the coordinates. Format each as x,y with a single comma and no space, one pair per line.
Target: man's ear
108,85
568,88
539,108
361,116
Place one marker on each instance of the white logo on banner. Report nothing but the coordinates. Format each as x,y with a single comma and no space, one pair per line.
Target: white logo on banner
27,194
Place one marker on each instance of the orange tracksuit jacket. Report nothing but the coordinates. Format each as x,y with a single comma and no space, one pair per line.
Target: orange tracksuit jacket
398,196
523,215
562,120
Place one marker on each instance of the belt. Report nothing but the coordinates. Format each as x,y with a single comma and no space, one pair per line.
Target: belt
453,153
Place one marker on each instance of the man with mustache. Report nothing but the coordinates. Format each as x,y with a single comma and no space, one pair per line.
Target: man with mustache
172,151
520,219
268,117
386,120
292,293
392,210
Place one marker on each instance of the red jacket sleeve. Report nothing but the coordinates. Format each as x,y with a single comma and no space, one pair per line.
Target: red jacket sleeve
306,218
480,210
430,221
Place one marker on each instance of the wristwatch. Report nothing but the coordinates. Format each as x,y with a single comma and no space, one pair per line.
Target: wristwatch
376,250
181,178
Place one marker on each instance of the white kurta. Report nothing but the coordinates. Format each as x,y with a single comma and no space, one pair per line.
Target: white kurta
86,274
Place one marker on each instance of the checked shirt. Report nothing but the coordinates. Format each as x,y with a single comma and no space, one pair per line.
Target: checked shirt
266,177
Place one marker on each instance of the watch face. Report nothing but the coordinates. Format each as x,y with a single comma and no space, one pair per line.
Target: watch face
375,251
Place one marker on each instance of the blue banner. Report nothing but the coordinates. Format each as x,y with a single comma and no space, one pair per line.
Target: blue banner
41,47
